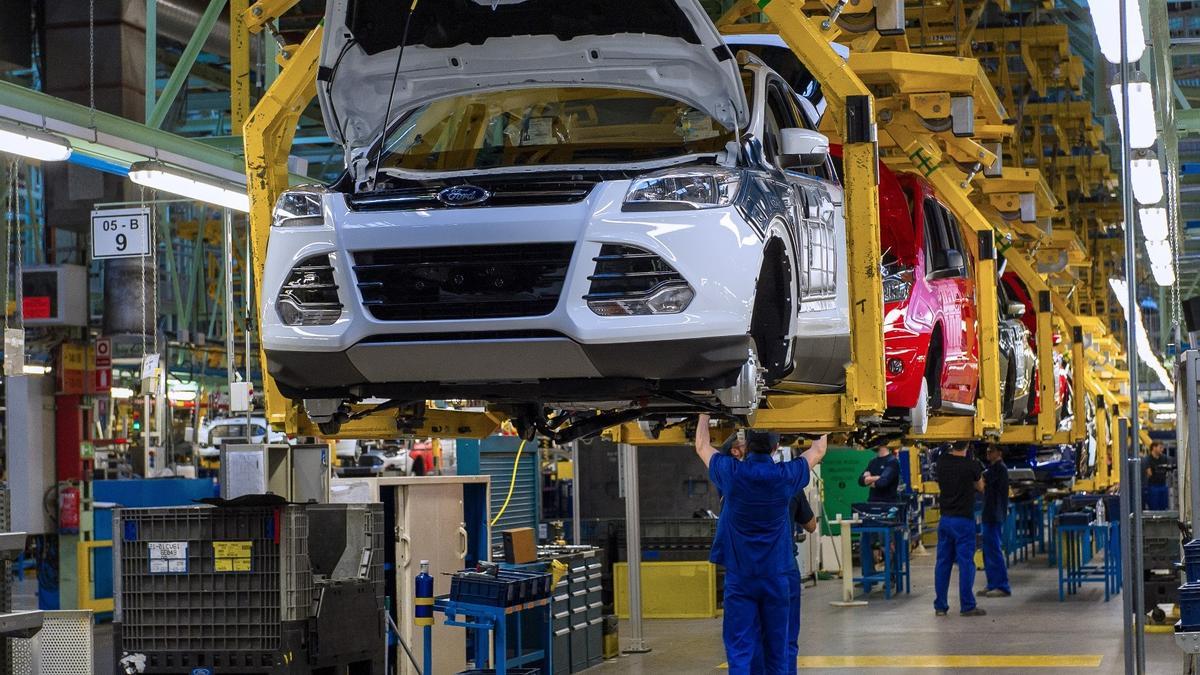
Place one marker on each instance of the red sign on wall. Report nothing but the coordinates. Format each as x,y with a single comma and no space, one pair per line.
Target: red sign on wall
36,306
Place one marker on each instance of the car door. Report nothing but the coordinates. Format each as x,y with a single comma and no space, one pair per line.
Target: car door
813,206
956,294
945,293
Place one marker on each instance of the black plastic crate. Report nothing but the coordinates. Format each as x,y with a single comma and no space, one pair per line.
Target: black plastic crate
504,589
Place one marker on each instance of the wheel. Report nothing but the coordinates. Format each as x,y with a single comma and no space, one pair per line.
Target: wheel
331,427
1010,391
919,416
930,397
771,320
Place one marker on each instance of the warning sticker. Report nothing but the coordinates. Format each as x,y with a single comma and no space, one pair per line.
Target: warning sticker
232,556
168,557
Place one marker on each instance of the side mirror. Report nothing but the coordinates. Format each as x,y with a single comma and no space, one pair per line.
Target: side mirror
1016,310
802,148
948,264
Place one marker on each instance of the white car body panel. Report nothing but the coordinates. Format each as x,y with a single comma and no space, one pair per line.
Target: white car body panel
711,248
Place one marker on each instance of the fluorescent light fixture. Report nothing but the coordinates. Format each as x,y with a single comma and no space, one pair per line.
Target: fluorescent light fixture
1159,252
35,369
1164,275
1145,175
1154,223
1161,407
33,143
1142,129
121,392
1106,18
1144,350
181,395
177,181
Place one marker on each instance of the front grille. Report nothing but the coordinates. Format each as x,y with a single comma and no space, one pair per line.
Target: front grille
629,272
462,282
503,193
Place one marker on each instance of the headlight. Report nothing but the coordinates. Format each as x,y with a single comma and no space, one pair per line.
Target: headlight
301,206
897,286
677,189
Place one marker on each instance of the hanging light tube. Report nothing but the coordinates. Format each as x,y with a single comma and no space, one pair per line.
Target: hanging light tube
1154,223
1142,129
1159,252
160,176
1145,175
1164,275
1106,19
16,139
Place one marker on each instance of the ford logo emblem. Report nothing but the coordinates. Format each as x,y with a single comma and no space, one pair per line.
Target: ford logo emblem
463,195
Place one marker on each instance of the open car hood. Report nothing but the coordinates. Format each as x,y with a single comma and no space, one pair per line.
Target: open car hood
665,47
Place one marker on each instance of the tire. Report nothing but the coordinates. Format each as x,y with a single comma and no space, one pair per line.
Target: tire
919,415
418,467
771,320
1008,405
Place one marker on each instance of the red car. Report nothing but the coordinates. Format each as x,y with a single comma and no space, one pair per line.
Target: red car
930,320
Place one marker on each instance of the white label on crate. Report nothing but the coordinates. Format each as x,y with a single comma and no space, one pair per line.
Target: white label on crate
168,557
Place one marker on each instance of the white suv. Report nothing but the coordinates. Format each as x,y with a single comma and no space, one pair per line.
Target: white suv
571,206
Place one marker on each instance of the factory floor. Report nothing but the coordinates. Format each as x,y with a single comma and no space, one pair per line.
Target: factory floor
1031,631
1028,632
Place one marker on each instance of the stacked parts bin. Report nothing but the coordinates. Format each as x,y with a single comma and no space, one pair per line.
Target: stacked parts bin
264,589
1189,593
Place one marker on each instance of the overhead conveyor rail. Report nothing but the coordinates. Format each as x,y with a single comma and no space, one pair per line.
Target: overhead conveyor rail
938,113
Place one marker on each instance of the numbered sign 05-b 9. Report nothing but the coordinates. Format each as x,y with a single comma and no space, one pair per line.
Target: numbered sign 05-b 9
120,233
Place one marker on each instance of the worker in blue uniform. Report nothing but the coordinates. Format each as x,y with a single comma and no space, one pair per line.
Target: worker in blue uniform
882,476
995,513
959,477
754,543
1156,496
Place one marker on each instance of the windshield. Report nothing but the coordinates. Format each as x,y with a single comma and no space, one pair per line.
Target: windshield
549,126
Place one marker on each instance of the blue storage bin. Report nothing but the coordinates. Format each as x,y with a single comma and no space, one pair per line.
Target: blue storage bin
505,589
1189,607
1191,560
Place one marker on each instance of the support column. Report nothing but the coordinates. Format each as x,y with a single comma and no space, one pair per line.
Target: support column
230,344
633,547
576,525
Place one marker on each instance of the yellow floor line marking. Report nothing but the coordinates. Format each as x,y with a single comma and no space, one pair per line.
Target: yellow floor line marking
952,661
1151,628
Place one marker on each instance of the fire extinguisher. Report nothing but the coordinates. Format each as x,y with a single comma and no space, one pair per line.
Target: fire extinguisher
68,508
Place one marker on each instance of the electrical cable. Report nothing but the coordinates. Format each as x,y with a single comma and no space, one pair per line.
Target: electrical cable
512,482
403,644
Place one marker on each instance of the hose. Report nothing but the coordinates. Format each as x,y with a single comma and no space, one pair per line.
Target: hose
400,639
512,482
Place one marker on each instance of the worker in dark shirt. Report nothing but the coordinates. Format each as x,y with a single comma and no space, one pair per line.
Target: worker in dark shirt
959,477
754,544
882,476
995,512
1156,496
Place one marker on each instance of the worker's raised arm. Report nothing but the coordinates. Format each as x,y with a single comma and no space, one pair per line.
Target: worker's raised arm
704,448
816,452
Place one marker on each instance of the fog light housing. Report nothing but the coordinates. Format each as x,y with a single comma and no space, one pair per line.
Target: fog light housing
895,366
671,299
309,295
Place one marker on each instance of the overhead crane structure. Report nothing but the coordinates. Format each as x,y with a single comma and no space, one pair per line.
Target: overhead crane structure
912,95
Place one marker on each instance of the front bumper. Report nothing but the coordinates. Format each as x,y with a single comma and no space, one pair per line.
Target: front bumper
527,367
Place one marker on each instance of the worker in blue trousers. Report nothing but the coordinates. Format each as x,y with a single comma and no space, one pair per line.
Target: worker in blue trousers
995,512
1156,496
959,477
882,476
803,518
754,543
